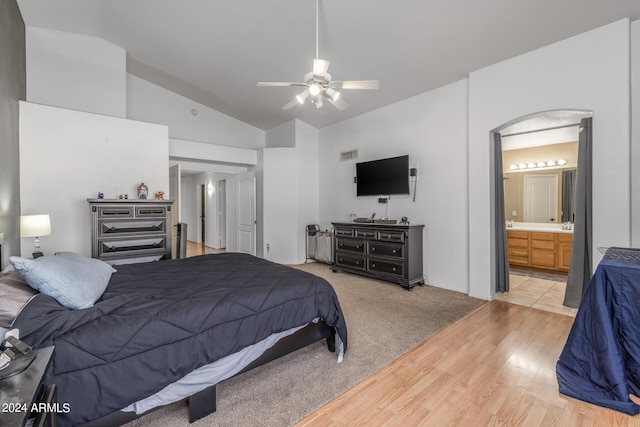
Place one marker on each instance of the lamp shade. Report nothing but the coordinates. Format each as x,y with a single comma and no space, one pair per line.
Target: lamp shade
35,225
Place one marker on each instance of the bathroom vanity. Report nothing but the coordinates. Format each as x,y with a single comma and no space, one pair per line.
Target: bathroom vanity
543,247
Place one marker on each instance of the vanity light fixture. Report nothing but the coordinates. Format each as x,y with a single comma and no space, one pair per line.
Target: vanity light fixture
540,164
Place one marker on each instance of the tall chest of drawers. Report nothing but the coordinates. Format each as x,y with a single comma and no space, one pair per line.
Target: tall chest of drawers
129,231
387,252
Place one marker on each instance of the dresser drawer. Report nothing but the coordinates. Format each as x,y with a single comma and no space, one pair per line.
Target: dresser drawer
347,232
385,267
119,246
351,245
395,250
351,261
391,236
366,234
115,211
151,211
116,227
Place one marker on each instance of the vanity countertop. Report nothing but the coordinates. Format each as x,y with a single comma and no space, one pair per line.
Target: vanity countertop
541,227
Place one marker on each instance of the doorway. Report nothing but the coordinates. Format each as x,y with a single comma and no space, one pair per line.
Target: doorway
532,167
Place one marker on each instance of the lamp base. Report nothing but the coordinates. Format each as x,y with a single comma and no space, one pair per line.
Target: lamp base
37,255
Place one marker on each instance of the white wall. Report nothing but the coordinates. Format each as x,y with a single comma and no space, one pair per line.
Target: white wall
588,72
308,194
68,156
431,128
75,71
279,210
151,103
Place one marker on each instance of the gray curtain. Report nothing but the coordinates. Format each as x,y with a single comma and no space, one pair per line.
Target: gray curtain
580,268
502,257
568,195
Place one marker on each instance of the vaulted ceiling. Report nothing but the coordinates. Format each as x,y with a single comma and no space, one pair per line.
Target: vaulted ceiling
215,51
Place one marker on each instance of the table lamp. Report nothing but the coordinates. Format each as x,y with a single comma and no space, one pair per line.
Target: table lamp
1,259
35,226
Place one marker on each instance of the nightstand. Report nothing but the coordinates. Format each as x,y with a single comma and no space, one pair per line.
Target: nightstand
19,392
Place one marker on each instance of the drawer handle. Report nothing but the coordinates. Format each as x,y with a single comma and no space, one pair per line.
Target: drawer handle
394,251
373,265
357,246
373,249
394,269
388,236
357,262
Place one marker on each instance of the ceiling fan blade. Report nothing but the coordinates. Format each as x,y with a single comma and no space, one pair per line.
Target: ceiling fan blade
320,67
279,84
359,84
338,103
291,104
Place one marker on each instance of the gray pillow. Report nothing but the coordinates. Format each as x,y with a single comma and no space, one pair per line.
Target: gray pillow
73,280
15,292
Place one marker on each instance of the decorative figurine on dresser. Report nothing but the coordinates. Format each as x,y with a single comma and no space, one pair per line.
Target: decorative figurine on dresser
125,231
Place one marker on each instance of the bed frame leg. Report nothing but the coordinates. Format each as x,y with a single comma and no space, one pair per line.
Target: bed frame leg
202,403
331,342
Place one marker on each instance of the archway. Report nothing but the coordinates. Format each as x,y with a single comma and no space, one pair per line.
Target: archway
555,124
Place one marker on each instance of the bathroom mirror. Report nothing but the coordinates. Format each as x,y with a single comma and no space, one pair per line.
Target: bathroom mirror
536,187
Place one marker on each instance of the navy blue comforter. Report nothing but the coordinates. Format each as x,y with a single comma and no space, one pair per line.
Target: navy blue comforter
158,321
600,363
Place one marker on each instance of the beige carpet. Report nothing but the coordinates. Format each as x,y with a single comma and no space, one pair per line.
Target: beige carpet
384,321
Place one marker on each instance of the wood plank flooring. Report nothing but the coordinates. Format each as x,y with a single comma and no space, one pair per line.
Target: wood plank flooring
494,367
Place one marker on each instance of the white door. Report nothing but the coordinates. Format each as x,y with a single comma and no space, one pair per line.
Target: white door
247,212
174,192
541,198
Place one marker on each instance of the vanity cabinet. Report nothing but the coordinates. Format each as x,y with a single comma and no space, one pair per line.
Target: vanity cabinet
542,250
518,247
565,246
127,231
387,252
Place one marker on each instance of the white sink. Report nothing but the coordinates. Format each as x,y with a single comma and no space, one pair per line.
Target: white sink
538,226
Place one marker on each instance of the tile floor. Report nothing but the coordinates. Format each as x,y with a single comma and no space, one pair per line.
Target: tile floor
543,294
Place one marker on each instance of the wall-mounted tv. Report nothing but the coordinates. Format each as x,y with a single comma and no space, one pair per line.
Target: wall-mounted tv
383,177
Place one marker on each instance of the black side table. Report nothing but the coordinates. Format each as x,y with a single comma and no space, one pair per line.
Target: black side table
19,392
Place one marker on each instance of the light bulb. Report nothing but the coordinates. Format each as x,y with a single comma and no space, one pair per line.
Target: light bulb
314,89
562,162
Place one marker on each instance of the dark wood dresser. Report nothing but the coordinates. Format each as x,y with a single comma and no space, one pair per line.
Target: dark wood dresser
387,252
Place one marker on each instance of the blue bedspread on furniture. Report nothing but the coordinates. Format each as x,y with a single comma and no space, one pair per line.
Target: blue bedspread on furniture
600,363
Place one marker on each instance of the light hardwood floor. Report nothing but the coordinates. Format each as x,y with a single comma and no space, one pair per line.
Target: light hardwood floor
496,366
194,249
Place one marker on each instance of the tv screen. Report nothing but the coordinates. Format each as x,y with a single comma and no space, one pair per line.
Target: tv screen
383,177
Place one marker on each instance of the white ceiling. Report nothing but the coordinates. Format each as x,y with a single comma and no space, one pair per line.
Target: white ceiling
215,51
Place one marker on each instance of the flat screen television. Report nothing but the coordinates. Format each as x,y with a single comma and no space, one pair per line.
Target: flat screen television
383,177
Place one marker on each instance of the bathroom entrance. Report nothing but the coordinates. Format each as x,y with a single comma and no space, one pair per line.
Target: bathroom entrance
538,158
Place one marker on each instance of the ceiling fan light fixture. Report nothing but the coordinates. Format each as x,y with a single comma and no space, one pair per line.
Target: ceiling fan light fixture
302,96
314,89
332,93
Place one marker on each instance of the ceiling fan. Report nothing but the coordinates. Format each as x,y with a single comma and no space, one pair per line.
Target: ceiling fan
319,86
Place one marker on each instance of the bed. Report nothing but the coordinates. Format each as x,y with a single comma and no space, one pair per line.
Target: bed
163,331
